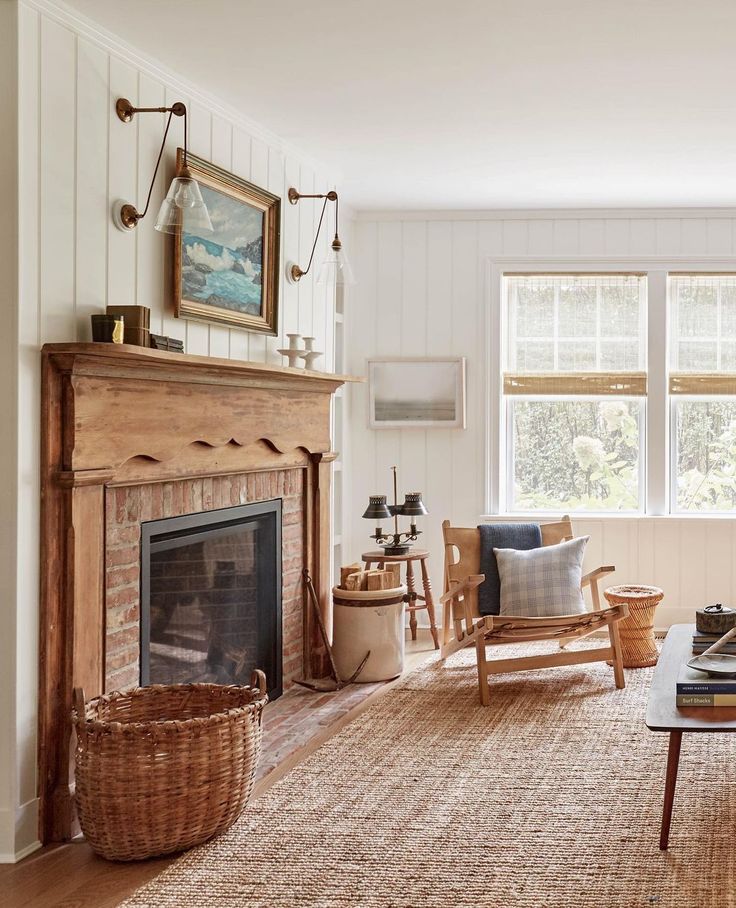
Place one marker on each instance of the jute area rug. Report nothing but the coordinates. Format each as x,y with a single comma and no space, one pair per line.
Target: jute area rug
550,797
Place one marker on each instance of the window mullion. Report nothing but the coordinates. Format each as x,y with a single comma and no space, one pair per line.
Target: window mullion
657,421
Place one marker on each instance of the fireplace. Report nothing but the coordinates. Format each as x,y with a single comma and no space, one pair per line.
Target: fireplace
132,436
210,597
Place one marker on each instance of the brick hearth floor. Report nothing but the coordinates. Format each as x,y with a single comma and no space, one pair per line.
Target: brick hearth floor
304,719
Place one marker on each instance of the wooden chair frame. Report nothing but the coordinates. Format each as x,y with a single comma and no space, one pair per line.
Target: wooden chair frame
462,625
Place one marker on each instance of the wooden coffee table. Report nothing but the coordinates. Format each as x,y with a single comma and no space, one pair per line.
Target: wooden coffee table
664,715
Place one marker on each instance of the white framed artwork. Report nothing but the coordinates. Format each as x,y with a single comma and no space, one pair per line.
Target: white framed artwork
421,393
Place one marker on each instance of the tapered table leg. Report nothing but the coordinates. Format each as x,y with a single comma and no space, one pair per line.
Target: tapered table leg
412,589
673,760
429,602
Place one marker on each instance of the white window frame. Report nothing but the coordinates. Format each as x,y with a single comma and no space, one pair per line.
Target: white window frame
659,495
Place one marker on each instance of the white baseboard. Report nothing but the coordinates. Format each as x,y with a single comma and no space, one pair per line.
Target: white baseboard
19,855
19,829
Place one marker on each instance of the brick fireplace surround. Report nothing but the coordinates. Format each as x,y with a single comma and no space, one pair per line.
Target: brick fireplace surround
128,435
126,507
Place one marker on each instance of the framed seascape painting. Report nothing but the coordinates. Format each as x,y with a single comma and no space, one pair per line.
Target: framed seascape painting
230,275
419,393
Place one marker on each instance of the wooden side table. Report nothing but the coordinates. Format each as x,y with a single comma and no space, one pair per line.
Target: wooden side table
416,600
637,630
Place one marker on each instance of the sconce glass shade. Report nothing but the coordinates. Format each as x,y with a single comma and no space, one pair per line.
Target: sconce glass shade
377,508
413,505
183,208
336,269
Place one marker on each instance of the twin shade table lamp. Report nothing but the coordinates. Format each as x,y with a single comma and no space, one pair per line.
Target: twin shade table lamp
396,543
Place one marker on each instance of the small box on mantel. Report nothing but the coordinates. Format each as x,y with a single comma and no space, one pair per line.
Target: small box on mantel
161,342
137,323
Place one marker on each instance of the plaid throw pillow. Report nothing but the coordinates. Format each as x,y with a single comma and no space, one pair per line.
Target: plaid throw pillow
542,582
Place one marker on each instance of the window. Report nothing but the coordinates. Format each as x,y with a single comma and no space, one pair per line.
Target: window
574,391
703,391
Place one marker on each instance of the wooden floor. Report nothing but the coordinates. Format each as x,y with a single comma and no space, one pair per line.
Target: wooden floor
71,876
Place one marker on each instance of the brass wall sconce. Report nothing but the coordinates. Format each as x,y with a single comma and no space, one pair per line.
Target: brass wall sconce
396,543
183,203
336,266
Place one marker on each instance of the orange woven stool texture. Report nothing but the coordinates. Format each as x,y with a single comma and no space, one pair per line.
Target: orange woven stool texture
637,630
162,768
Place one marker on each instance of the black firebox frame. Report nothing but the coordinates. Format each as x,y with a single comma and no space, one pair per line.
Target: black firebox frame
195,527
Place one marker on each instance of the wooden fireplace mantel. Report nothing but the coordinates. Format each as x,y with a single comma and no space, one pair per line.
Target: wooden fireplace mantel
122,415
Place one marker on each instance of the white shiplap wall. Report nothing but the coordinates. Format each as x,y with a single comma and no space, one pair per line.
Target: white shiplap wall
76,159
423,290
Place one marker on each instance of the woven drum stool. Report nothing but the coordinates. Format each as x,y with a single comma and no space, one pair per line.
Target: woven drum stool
637,629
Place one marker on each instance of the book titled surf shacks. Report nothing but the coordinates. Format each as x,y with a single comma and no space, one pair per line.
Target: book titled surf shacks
697,689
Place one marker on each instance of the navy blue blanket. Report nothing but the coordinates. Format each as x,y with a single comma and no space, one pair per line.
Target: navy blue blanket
522,536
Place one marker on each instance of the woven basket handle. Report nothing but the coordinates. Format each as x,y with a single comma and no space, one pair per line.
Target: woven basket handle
258,679
78,702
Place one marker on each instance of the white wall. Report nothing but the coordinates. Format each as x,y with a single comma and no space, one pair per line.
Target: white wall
76,159
8,415
423,290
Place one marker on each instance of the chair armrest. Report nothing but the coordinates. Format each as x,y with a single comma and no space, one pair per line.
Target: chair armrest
460,589
593,576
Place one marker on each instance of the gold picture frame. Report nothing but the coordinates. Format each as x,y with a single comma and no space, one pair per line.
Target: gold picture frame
217,277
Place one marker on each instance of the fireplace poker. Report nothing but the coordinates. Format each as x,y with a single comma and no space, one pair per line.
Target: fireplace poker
336,683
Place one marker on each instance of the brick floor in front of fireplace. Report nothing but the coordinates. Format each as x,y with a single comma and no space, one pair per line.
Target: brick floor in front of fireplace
301,720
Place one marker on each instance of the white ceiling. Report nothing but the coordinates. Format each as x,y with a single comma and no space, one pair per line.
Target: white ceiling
471,103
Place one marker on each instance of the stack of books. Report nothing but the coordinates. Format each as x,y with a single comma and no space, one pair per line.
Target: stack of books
698,689
701,642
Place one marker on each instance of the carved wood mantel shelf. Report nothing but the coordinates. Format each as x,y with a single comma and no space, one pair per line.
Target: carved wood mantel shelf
117,415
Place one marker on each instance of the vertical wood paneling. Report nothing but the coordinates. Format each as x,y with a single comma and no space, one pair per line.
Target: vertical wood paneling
719,236
290,309
57,173
669,236
666,573
541,237
695,236
122,175
360,323
617,236
323,291
150,243
259,176
717,565
643,236
222,147
308,211
490,239
200,143
26,619
515,237
693,552
241,146
390,291
413,312
466,341
592,237
91,185
170,325
275,184
567,237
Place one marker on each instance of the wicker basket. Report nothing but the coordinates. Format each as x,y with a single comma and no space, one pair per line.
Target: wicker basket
638,647
162,768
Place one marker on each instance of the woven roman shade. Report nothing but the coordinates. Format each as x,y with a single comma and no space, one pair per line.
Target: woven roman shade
708,383
575,334
617,384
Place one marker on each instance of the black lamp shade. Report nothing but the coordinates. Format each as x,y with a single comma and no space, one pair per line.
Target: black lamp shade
413,505
377,508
